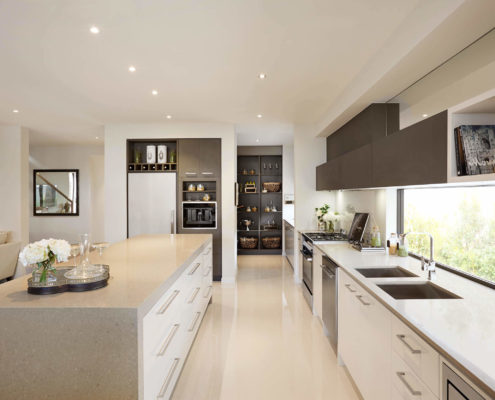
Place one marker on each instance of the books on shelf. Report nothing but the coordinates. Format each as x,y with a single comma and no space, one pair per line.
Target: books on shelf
475,149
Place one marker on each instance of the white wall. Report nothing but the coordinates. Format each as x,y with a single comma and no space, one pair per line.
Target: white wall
14,182
308,153
90,204
116,173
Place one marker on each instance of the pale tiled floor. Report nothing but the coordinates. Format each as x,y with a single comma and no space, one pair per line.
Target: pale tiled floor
260,341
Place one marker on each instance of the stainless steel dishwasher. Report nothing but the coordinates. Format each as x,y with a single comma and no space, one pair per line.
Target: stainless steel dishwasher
329,298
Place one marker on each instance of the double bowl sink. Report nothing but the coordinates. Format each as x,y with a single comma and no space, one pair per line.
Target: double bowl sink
408,290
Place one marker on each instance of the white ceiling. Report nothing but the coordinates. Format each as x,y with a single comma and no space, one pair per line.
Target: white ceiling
202,56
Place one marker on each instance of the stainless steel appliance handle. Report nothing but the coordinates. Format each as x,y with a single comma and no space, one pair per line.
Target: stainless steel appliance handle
173,227
310,259
402,377
348,286
328,273
402,338
168,379
360,298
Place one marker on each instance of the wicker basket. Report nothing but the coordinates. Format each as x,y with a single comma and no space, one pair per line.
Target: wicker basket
248,242
272,242
272,186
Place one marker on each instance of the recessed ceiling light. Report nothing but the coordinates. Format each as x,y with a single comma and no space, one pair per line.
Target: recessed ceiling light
94,30
15,111
262,76
257,140
169,117
132,68
424,115
97,137
260,116
154,92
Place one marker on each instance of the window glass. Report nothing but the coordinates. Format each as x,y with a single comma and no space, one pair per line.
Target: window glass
462,222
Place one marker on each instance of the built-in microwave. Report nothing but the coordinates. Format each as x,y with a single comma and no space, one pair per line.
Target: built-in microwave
199,214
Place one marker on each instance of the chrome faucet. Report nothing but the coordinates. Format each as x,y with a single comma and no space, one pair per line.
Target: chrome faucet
430,265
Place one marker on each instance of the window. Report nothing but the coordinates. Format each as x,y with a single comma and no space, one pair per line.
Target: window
462,222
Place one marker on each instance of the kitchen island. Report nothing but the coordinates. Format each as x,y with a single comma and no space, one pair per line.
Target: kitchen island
128,340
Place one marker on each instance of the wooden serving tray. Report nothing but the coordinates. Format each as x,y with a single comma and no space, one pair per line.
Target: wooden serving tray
62,284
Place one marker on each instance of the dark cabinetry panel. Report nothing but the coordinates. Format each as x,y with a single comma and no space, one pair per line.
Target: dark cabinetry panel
376,121
417,155
200,158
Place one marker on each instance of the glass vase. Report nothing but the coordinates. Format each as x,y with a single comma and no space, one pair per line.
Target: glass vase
329,227
84,268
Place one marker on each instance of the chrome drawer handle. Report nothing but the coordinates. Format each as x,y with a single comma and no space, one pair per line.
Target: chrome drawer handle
168,379
348,286
169,301
195,293
167,341
191,272
402,338
207,173
360,298
191,173
402,377
191,328
208,291
207,272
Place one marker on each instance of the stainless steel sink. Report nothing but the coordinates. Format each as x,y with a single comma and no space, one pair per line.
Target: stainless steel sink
385,272
420,290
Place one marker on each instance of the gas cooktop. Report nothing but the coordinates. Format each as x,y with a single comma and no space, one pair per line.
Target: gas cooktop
326,237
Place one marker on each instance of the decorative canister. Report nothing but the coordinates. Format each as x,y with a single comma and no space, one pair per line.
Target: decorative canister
162,154
151,154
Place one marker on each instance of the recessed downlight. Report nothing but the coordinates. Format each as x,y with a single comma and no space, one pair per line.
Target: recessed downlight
94,30
154,92
132,68
259,116
15,111
424,115
262,75
97,137
257,140
168,116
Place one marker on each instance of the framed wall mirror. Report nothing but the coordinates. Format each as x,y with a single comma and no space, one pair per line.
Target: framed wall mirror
56,192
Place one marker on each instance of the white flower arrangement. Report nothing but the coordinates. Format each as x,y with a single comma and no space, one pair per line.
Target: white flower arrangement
44,253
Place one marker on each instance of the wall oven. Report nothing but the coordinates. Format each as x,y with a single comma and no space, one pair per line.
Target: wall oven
307,264
199,214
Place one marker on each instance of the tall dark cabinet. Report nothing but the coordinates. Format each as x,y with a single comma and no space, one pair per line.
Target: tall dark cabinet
200,164
259,165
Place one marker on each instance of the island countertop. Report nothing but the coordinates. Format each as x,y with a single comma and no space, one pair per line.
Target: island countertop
140,271
461,330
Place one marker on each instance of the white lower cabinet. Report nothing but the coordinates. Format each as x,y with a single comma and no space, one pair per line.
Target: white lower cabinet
385,358
364,339
170,327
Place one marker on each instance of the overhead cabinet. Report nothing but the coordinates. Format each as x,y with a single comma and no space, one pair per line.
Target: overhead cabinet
200,158
416,155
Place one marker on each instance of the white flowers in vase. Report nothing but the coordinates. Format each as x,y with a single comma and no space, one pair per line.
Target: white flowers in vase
43,254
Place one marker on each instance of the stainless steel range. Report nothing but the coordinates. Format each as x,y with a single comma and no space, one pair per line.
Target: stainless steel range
308,239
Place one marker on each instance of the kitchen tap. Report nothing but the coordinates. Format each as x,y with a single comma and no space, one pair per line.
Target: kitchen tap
430,265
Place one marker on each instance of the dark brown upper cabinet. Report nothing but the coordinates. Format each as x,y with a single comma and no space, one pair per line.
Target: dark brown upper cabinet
416,155
199,158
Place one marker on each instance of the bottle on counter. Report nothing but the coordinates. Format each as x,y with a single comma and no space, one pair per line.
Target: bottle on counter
375,237
392,247
403,250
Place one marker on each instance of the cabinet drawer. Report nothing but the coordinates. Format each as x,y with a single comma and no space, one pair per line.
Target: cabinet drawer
418,355
406,383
